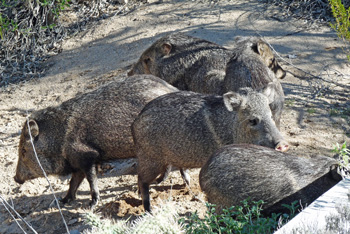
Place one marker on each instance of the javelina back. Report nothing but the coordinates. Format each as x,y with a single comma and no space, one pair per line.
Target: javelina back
238,172
84,131
194,64
183,129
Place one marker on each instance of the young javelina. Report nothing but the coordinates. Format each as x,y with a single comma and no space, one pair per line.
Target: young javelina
238,172
183,129
84,131
198,65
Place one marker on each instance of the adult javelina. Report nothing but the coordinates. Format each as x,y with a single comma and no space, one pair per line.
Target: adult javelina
198,65
183,129
238,172
84,131
247,68
189,63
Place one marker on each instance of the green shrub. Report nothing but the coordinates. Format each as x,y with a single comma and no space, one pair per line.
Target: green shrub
342,24
28,30
237,219
344,158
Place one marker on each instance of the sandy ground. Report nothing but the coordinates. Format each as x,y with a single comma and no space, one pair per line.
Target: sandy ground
317,113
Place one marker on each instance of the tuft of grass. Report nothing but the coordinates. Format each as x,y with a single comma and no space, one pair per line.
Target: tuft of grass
344,113
163,220
311,110
290,102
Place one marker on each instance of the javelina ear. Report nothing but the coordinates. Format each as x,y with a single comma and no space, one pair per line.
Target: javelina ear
265,52
166,48
262,47
34,128
270,91
232,100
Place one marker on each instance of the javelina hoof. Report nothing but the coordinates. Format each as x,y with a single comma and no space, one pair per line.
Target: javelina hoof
18,180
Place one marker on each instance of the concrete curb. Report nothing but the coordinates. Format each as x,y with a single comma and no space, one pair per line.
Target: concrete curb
313,218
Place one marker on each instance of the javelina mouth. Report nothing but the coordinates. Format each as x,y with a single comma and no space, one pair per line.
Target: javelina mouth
18,180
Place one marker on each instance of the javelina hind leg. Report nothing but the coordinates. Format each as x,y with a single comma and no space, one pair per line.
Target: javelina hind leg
91,176
75,181
147,173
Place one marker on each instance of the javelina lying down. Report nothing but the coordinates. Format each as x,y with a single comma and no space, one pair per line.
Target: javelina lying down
198,65
84,131
238,172
183,129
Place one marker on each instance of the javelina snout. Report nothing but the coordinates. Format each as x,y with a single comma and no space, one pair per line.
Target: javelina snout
183,129
238,172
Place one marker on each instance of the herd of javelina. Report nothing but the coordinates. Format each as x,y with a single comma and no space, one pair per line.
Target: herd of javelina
186,103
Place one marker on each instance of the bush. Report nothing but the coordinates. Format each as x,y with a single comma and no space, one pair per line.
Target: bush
344,159
342,24
28,29
237,219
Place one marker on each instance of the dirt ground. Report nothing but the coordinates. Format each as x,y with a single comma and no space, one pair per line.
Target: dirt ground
316,115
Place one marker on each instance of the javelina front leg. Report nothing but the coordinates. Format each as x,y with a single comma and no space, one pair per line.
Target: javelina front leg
75,181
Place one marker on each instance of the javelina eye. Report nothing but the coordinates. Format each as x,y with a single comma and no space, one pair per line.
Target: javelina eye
253,122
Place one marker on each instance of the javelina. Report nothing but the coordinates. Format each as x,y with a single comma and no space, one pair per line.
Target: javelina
84,131
183,129
189,63
261,48
198,65
238,172
247,68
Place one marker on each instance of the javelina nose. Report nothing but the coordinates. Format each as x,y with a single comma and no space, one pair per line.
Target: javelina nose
282,146
18,180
